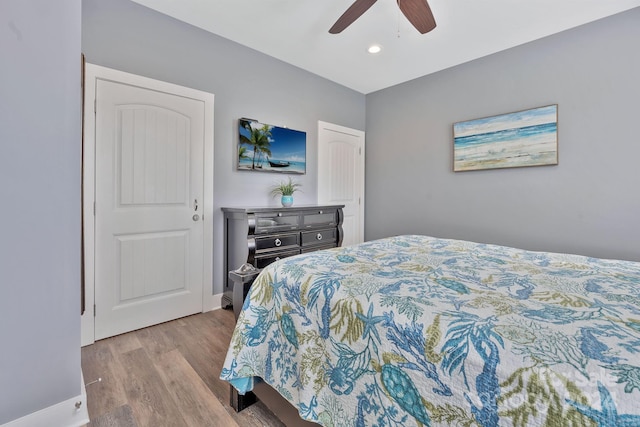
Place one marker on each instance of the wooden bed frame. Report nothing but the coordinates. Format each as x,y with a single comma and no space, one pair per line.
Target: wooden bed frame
277,404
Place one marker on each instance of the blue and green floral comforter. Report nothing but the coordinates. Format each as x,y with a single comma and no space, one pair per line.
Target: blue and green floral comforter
414,330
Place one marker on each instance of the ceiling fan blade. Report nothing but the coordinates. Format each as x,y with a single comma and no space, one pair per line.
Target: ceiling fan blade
350,15
419,14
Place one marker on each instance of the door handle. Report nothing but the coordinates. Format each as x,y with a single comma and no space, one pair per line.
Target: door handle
195,217
195,205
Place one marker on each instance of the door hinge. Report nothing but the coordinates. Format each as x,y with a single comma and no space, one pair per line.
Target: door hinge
359,201
360,151
95,102
94,310
94,208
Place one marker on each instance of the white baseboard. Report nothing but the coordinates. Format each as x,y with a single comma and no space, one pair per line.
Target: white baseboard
215,302
63,414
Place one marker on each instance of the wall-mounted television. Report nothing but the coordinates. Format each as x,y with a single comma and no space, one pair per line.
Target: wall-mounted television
268,148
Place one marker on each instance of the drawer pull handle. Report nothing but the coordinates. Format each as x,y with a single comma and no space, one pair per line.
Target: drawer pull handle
321,212
319,236
278,242
279,213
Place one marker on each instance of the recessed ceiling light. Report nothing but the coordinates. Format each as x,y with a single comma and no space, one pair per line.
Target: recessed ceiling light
374,48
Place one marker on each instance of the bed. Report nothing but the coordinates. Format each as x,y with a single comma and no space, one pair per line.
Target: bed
416,330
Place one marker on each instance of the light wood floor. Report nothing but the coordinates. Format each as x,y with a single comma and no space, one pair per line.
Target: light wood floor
166,375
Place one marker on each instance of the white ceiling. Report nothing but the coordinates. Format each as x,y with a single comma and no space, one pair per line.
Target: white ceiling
296,31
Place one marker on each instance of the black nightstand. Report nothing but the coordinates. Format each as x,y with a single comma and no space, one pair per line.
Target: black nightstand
242,282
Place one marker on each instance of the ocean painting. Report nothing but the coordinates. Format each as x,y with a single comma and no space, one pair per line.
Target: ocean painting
267,148
523,138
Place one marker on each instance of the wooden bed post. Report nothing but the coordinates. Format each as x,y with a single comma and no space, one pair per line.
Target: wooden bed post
239,401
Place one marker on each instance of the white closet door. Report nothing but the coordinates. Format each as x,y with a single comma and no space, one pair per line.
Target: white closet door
341,176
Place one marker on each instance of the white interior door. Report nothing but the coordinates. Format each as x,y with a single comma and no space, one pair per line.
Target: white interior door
148,207
341,176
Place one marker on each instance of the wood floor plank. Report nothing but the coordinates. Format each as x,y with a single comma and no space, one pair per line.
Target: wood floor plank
119,417
222,320
125,343
207,364
198,404
196,329
155,339
149,398
98,361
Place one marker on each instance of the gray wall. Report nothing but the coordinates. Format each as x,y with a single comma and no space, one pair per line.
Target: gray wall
124,35
40,215
588,204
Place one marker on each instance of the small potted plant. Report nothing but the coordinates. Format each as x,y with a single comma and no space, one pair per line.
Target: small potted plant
285,190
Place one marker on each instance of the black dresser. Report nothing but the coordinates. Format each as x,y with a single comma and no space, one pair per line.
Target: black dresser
260,236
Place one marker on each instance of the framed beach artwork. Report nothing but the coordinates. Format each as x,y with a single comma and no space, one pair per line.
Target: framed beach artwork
268,148
519,139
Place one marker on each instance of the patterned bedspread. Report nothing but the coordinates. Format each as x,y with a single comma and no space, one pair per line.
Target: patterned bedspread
414,330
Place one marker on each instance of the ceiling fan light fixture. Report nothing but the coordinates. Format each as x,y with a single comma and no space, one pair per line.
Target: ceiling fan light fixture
374,49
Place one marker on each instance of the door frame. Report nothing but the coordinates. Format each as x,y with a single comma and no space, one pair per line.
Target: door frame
322,162
92,74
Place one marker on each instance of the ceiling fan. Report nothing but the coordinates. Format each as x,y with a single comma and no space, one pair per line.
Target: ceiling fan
417,12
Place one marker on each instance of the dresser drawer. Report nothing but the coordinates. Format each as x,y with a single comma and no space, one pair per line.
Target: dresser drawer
308,249
273,222
261,261
277,242
319,237
320,218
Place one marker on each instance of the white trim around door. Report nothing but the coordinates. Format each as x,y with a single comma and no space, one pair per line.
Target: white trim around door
94,73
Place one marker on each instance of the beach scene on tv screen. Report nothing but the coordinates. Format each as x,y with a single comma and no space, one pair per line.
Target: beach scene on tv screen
267,148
